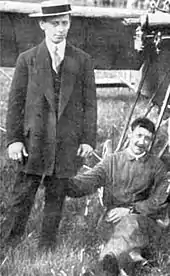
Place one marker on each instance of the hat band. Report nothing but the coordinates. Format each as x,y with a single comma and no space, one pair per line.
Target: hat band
54,9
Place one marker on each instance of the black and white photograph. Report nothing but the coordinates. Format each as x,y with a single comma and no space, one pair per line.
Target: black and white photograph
85,138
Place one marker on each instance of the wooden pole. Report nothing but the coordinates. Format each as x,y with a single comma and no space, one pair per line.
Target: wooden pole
138,93
164,105
169,133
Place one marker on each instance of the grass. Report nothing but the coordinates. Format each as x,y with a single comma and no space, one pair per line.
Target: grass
79,239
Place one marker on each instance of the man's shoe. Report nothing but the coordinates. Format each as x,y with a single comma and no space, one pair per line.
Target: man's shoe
107,267
137,258
110,265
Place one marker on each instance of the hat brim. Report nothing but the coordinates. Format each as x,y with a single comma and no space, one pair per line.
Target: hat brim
39,15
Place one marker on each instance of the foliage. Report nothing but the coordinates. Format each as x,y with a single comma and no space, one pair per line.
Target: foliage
79,240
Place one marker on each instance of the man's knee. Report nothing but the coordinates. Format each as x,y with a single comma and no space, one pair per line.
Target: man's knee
127,235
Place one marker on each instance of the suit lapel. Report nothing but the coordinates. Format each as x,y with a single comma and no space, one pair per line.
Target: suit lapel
68,77
44,74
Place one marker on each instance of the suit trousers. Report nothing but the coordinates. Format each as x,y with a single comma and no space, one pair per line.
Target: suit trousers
22,200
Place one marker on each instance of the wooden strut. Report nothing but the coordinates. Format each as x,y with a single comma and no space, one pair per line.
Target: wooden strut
2,129
163,108
138,93
163,150
5,74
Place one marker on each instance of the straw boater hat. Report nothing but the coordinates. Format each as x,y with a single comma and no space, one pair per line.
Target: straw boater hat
53,8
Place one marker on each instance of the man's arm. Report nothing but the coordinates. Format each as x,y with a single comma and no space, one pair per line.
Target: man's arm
158,195
89,182
16,103
90,105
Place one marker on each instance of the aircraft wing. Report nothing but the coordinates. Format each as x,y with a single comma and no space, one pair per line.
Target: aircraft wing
99,31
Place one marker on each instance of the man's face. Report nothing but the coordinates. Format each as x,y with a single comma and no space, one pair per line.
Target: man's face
140,140
56,28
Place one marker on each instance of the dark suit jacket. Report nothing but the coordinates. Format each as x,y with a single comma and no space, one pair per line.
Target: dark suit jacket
52,142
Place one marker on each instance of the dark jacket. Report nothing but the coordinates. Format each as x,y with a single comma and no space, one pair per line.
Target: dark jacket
52,141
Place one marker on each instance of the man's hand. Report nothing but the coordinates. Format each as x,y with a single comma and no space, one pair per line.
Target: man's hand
84,150
116,214
16,151
107,148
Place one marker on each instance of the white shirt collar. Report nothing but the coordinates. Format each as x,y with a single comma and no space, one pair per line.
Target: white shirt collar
52,48
136,156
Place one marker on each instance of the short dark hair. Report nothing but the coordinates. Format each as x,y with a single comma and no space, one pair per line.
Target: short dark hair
145,123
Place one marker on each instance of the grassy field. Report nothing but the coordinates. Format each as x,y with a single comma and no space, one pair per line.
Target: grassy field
79,239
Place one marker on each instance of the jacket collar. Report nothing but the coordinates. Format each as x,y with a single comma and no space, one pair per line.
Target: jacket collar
69,71
132,157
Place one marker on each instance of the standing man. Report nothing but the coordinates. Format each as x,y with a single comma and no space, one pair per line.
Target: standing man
169,133
135,195
51,121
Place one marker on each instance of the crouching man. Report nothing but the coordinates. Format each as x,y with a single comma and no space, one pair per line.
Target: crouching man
135,194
